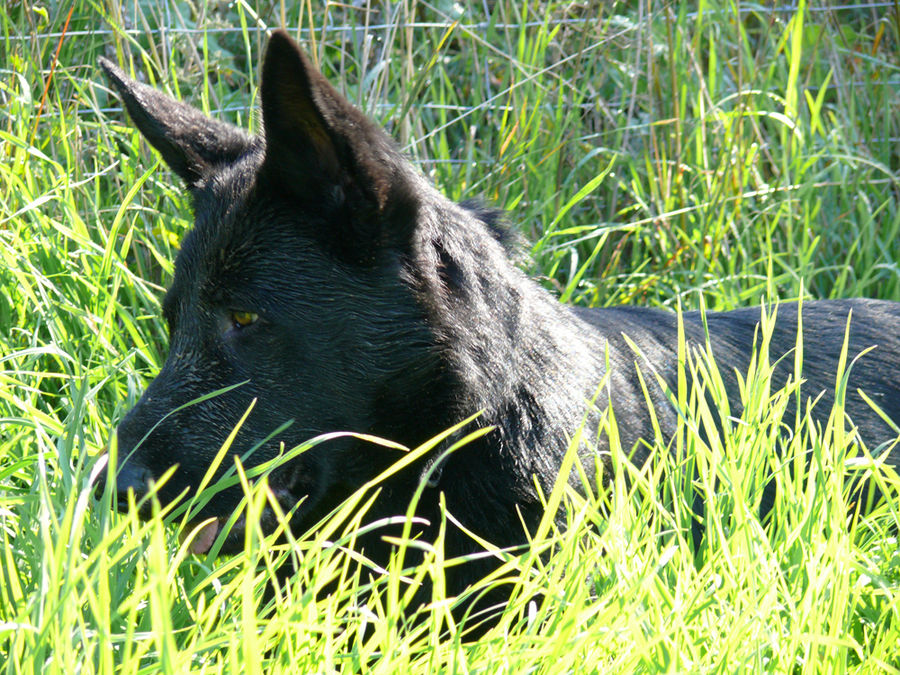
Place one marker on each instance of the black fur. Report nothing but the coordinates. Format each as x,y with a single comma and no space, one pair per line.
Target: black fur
385,308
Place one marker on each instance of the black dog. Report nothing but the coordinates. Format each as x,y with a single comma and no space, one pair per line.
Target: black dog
331,283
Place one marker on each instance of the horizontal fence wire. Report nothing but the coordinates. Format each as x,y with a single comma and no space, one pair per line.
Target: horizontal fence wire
461,111
482,25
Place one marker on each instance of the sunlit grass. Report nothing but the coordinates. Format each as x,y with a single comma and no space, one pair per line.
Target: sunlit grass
666,158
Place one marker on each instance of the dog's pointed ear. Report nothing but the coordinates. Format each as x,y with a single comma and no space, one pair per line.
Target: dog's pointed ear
190,142
325,151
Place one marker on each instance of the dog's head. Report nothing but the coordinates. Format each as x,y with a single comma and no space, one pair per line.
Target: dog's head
291,301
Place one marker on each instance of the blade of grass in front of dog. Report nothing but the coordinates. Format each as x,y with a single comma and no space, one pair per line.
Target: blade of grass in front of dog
878,411
419,452
349,511
393,594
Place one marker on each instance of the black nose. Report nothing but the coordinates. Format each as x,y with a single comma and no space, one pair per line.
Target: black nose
132,476
129,476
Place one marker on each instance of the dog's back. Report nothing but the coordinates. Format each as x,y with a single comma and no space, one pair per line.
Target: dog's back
872,355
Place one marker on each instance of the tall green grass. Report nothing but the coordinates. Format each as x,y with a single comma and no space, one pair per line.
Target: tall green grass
721,154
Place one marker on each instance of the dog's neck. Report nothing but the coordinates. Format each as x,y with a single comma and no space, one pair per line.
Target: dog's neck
507,345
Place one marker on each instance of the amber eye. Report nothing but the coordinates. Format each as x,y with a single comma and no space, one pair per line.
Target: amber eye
242,319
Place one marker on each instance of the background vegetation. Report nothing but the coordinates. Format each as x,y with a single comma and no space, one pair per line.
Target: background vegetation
651,153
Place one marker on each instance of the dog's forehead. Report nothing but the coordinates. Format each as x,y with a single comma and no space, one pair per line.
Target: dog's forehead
224,192
230,215
243,237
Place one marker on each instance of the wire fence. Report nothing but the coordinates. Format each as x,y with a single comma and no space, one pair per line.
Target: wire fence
497,103
262,27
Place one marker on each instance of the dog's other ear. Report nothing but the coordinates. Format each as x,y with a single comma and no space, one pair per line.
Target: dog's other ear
190,142
326,152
